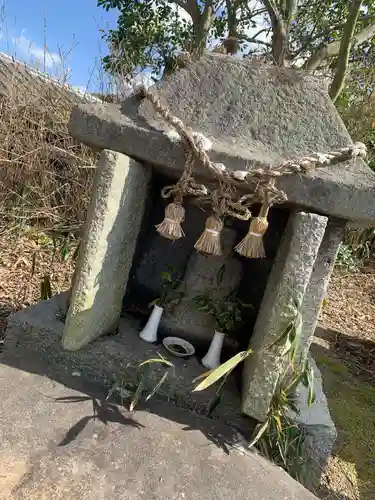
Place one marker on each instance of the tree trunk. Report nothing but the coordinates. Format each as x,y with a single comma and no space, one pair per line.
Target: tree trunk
281,20
202,26
344,52
231,44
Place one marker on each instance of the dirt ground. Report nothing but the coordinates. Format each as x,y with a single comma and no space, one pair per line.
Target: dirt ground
345,353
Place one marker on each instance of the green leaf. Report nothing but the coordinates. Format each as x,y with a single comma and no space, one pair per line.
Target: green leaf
311,390
260,429
213,404
289,341
166,276
138,393
220,275
222,370
158,385
64,250
202,375
282,337
163,361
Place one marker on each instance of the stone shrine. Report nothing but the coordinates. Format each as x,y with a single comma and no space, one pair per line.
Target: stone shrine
256,116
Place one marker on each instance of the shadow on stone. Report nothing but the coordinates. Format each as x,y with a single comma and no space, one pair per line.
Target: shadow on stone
215,430
102,410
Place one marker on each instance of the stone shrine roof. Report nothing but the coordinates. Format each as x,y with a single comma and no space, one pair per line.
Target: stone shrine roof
255,114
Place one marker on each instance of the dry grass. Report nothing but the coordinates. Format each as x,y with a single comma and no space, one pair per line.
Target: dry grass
42,182
350,307
24,261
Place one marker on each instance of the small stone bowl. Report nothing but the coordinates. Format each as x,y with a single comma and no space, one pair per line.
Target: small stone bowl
178,347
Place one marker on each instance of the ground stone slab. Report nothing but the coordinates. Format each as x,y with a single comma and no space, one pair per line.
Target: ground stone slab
52,447
255,114
106,254
35,332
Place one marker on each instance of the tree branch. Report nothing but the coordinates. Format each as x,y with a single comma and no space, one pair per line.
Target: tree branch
252,39
187,6
344,51
332,49
254,13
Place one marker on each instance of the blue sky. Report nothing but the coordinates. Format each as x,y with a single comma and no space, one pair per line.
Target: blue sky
69,23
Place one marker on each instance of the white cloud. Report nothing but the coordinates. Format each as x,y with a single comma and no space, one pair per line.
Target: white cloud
30,49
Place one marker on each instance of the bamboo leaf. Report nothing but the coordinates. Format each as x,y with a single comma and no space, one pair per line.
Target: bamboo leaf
213,404
166,276
156,360
219,372
137,395
260,430
283,336
64,250
202,375
220,275
157,386
311,392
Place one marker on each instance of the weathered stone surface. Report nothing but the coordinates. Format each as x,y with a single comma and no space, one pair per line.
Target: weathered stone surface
107,249
254,114
201,274
317,288
54,448
290,276
36,332
319,429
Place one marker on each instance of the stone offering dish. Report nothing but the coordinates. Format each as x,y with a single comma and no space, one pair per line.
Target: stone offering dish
178,347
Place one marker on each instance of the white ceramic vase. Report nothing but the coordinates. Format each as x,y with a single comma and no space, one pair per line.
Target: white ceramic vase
212,358
150,331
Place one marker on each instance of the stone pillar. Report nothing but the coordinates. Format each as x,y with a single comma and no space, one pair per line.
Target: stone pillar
105,257
317,288
290,274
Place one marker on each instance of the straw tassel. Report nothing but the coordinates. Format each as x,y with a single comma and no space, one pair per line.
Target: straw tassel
209,241
252,244
171,228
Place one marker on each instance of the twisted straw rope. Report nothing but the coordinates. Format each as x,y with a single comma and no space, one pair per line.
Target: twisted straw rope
264,177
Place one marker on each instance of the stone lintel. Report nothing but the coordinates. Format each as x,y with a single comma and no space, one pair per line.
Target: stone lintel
290,276
345,190
106,254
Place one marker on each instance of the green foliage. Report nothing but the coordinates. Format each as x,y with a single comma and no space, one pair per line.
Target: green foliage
170,295
278,438
357,249
346,259
151,33
323,22
291,334
223,370
148,35
227,310
138,381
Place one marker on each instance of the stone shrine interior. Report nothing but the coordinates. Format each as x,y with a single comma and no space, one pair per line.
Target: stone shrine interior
154,254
